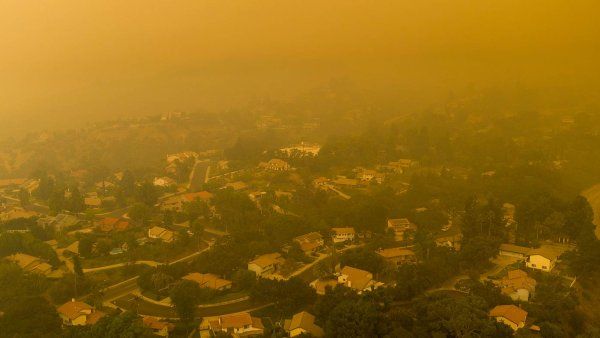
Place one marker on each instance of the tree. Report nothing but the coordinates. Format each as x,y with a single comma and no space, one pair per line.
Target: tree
77,266
353,319
185,296
86,244
147,194
76,202
30,317
140,212
24,197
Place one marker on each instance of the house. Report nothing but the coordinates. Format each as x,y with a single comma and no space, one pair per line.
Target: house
30,263
236,186
339,235
162,234
16,213
110,224
402,228
238,325
302,149
368,175
398,256
510,315
515,251
72,249
93,202
275,164
357,279
542,259
164,182
518,285
310,242
265,264
59,222
320,182
78,313
303,323
171,158
321,285
347,182
450,239
158,327
209,281
176,203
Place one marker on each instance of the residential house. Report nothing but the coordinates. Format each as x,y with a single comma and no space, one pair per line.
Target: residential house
339,235
237,186
164,182
515,251
518,285
344,181
93,202
171,158
265,264
209,281
275,164
321,285
31,264
176,203
158,327
238,325
159,233
357,279
402,228
110,224
302,149
368,175
450,239
78,313
398,256
310,242
303,324
59,222
510,315
16,213
321,182
542,259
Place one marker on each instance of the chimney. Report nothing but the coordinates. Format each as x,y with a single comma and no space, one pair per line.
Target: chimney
73,300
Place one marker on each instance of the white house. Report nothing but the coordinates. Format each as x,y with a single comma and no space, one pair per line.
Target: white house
265,264
339,235
542,259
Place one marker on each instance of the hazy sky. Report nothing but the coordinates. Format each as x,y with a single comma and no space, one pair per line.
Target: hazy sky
89,58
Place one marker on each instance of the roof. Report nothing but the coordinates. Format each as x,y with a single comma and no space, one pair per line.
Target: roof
73,247
515,248
238,185
517,279
74,309
403,223
511,312
156,324
94,317
207,280
395,252
267,259
25,261
201,195
305,321
237,320
545,252
156,231
359,279
339,231
321,285
309,237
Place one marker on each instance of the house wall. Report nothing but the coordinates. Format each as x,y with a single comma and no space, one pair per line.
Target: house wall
512,325
540,263
297,332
